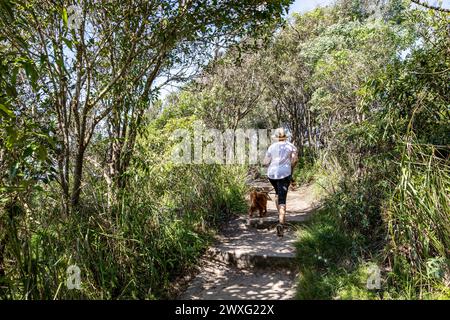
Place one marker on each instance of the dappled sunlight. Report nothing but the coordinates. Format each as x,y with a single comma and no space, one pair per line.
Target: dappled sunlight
225,283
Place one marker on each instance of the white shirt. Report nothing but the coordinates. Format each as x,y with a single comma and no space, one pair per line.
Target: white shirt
280,155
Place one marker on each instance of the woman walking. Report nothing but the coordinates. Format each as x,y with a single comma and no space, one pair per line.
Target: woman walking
281,158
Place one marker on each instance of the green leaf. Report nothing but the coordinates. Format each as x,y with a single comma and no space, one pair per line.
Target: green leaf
28,151
41,153
7,7
64,17
13,169
11,136
68,43
7,112
60,63
31,72
14,76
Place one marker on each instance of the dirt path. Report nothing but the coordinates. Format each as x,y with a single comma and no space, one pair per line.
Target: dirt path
248,260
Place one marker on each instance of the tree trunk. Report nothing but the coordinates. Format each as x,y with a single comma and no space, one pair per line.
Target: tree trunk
77,177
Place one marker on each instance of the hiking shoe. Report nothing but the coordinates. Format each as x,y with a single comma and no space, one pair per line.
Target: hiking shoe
280,230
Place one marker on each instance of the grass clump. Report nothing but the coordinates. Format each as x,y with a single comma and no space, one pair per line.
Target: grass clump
326,256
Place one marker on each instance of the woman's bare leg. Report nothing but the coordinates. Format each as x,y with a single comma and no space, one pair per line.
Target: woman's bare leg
282,213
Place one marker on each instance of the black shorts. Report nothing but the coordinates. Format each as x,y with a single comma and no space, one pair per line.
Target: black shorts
281,187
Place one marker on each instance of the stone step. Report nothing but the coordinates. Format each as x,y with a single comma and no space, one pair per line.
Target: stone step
245,260
271,220
246,247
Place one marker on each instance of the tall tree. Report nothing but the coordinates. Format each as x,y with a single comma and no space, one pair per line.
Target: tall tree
100,60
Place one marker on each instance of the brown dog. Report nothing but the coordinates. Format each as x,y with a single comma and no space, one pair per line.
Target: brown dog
258,201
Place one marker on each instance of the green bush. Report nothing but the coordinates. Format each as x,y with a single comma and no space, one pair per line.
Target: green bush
157,229
330,267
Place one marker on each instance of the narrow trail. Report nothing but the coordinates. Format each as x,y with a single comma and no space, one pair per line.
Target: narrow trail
248,260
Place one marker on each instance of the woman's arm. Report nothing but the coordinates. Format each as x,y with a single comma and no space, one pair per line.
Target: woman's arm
267,158
294,160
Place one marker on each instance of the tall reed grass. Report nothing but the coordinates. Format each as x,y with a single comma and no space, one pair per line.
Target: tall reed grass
136,249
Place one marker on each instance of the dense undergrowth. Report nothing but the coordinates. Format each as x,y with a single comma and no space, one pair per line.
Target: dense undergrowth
135,249
340,250
385,177
361,86
337,264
